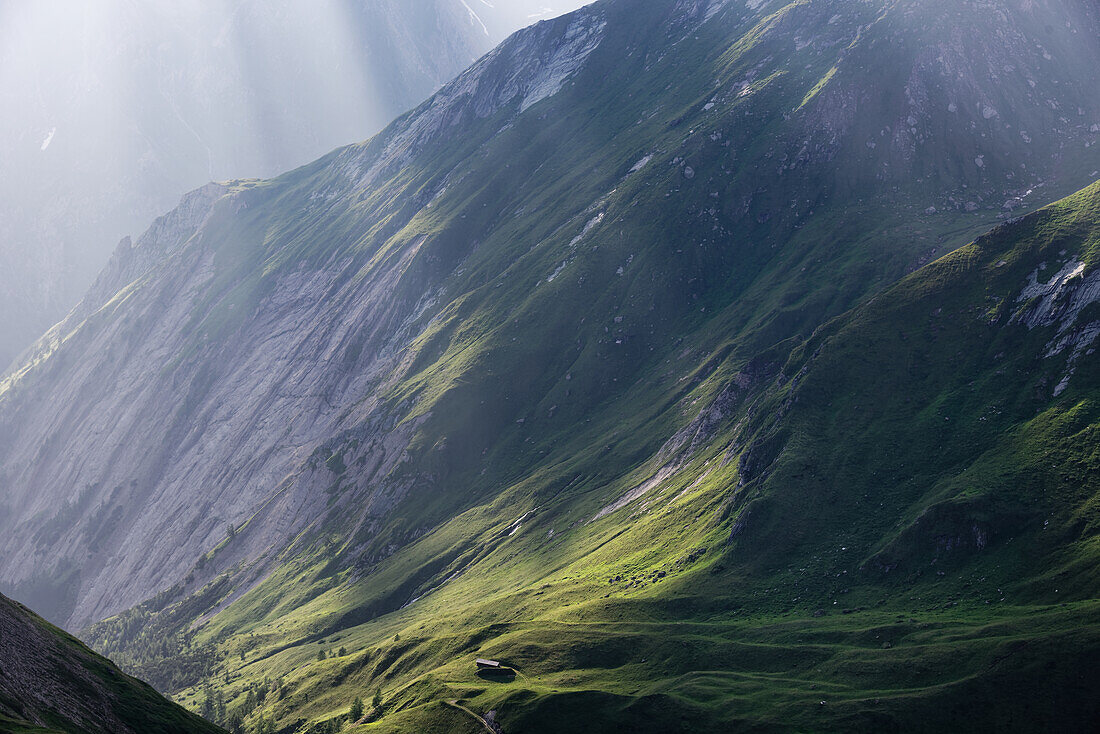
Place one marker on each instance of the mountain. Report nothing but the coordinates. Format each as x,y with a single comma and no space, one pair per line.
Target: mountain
591,364
115,110
50,682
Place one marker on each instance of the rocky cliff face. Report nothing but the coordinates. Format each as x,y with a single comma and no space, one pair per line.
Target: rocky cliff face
50,680
355,352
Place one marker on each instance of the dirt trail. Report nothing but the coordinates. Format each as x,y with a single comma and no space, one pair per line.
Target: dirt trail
460,707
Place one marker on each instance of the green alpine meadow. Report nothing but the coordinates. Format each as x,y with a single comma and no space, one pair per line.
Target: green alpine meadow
681,365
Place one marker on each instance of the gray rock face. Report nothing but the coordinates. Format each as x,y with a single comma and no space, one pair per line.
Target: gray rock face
171,477
1061,298
1059,301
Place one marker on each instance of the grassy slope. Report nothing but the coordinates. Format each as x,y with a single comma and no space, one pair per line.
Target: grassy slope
1006,636
70,690
599,397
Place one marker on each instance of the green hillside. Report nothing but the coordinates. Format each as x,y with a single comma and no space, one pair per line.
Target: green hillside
604,363
50,683
831,558
877,571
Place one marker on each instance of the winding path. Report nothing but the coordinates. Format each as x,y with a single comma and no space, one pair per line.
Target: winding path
460,707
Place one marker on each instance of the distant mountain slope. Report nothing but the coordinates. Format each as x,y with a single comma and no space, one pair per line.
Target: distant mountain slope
519,376
356,307
114,110
50,682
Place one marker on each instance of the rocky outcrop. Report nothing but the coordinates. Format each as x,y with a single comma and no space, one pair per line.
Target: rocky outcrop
1059,302
530,67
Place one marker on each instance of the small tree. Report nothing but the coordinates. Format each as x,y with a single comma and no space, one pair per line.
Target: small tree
321,654
377,701
356,709
343,651
209,708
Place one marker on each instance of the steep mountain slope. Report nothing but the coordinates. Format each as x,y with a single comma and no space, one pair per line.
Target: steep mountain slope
982,360
509,378
50,682
114,110
898,533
